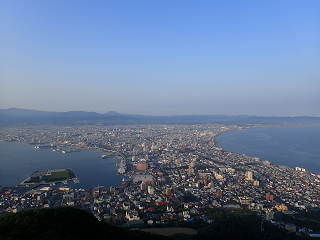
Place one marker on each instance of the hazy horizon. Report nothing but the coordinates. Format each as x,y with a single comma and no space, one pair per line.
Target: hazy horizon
154,115
161,58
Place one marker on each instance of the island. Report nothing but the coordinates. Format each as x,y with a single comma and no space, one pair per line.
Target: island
50,177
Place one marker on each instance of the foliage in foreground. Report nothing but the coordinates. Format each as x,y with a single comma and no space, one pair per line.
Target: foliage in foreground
246,227
63,223
71,223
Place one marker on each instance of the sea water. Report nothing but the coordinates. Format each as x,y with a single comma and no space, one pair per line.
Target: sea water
18,160
288,146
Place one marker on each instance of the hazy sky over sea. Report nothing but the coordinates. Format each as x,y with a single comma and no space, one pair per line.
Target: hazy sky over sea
161,57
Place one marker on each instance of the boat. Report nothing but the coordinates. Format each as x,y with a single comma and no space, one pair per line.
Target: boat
105,156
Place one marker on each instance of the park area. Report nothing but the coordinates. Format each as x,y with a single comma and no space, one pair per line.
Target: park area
58,176
50,176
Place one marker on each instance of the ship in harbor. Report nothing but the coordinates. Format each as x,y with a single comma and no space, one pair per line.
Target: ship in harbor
105,156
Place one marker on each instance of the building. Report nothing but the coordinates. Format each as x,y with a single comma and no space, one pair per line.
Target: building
163,180
281,207
132,215
204,182
269,197
190,170
112,190
168,192
142,165
244,200
249,175
96,191
153,181
185,149
126,206
143,178
269,215
150,190
300,169
290,227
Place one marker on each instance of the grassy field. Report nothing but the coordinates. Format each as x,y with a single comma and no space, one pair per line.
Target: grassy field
63,174
58,176
53,177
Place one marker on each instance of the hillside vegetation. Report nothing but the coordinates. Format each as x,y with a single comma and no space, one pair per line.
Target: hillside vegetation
63,223
71,223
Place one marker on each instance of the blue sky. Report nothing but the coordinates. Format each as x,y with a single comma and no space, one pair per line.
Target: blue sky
161,57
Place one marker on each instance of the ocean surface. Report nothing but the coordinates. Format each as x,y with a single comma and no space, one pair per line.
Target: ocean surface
288,146
18,160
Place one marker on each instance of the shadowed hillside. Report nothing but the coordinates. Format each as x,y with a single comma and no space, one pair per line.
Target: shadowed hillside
72,223
63,223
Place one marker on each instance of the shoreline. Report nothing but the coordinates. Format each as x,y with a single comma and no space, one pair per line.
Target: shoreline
16,174
216,144
251,127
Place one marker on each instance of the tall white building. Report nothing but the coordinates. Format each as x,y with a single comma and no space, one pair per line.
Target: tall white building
150,190
249,175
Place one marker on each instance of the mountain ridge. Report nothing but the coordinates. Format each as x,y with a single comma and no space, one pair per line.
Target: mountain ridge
14,116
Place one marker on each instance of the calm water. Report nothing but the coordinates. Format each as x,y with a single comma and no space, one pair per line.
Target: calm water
289,146
19,160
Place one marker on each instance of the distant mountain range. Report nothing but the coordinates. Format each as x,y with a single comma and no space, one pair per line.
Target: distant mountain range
15,116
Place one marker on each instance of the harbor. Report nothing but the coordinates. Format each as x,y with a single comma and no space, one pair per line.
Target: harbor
20,159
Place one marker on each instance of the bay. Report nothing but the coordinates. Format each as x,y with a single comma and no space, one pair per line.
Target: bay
288,146
18,160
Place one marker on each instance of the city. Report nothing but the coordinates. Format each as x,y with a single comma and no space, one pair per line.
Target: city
173,173
160,115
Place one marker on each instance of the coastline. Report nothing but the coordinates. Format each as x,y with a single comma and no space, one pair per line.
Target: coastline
261,153
262,126
19,160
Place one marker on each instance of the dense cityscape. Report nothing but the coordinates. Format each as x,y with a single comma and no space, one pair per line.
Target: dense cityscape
173,173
